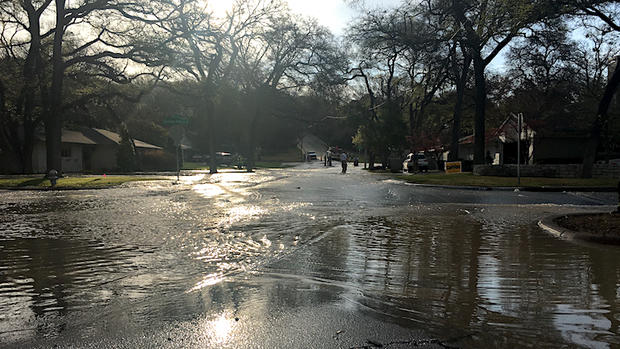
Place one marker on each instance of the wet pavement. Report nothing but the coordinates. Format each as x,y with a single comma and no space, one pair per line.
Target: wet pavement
302,257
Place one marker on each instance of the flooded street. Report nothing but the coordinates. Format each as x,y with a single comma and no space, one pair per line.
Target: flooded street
301,257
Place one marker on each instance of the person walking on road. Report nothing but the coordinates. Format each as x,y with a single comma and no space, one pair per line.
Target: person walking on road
343,161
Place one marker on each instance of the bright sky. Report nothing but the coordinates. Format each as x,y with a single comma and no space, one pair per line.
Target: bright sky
334,14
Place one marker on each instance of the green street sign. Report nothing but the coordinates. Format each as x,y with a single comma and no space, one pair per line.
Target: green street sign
176,120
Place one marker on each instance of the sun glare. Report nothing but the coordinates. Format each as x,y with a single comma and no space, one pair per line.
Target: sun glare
209,280
219,7
220,328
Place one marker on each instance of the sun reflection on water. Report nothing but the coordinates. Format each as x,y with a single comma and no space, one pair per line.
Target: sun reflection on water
191,179
239,213
220,328
208,190
208,280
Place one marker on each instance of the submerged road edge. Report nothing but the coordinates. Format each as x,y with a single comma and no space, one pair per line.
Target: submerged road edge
550,226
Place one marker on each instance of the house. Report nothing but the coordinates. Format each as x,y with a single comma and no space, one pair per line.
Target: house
87,149
541,143
73,144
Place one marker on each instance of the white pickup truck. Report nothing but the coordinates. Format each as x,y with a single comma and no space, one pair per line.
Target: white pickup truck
415,160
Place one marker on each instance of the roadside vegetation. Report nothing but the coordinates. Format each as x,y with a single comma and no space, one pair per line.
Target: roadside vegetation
258,164
291,154
272,164
255,78
604,226
468,179
282,159
72,182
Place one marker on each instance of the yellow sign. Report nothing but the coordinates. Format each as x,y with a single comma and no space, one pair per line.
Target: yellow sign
453,167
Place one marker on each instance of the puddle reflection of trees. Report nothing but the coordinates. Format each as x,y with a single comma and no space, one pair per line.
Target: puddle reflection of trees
456,276
44,278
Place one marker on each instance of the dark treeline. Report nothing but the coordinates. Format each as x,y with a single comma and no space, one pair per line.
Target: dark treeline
429,65
255,79
256,76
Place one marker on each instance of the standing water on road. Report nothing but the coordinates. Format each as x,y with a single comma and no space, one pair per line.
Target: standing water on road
470,268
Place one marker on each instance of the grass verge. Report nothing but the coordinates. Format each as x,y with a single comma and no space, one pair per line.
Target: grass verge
288,155
72,182
258,164
599,224
188,165
271,164
468,179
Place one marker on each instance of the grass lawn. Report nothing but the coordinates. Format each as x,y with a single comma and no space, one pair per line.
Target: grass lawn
267,161
271,164
258,164
289,155
72,182
188,165
468,179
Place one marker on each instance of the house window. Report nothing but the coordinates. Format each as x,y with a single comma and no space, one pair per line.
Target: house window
65,152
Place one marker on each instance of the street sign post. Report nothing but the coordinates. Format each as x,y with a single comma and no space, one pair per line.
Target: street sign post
177,125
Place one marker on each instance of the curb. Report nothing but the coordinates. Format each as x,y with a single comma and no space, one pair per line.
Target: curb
463,187
528,189
57,188
573,189
514,188
548,224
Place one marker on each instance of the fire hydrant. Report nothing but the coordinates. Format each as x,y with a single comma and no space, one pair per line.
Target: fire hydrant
53,177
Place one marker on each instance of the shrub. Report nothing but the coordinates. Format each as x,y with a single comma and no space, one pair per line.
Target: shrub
158,161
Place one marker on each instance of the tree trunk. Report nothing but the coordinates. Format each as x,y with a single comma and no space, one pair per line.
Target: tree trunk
53,121
456,125
10,134
589,155
411,125
9,138
28,148
480,99
461,82
27,102
250,162
210,109
251,129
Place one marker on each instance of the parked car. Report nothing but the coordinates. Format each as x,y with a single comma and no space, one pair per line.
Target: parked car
415,161
223,158
335,153
311,155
